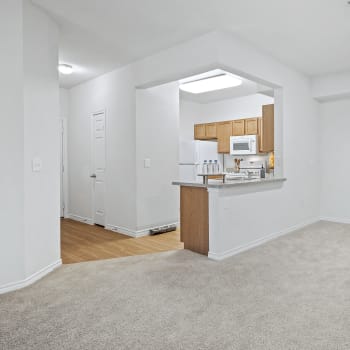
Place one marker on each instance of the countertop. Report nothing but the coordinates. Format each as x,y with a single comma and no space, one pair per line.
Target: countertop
229,183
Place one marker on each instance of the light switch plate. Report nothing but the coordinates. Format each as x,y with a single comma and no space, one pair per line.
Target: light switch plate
147,162
36,164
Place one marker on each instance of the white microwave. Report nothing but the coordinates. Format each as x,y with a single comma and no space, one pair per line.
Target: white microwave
243,145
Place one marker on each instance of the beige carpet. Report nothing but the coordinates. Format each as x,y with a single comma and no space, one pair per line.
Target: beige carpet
291,293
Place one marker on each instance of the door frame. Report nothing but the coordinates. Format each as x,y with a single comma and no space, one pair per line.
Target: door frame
92,149
64,195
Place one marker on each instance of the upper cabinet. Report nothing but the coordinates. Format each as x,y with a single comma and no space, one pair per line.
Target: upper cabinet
238,127
205,131
267,129
251,126
224,131
210,131
221,131
199,132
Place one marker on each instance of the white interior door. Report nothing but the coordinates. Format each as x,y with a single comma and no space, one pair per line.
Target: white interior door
98,166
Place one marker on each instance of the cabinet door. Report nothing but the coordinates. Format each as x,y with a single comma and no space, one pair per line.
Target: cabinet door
199,132
251,126
210,131
238,128
267,129
224,131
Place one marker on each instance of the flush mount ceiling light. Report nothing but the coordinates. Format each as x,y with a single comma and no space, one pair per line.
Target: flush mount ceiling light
217,82
65,68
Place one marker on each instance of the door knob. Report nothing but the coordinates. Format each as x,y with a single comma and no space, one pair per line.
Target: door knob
93,176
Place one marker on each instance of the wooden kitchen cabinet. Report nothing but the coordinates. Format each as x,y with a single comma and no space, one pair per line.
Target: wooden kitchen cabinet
238,127
194,219
223,132
199,132
210,131
205,131
267,129
251,126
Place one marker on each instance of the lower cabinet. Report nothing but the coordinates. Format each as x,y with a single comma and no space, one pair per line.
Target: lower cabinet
194,219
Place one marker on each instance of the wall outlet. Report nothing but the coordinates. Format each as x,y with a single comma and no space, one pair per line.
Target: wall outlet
36,164
147,162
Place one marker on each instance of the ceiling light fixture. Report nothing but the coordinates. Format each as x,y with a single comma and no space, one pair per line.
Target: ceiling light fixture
65,68
217,82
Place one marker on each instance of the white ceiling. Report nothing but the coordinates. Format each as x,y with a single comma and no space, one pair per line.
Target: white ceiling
98,35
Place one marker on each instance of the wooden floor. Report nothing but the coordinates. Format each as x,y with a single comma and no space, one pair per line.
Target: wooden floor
81,242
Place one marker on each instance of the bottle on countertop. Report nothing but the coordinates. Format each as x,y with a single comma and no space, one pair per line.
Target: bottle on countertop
216,167
210,167
262,172
205,167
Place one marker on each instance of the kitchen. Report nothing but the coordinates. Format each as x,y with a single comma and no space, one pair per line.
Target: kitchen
227,144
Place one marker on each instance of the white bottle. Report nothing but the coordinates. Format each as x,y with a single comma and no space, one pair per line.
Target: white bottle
216,167
210,167
205,168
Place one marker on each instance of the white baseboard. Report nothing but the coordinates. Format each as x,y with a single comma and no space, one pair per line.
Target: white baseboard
260,241
134,233
88,221
337,220
31,279
120,229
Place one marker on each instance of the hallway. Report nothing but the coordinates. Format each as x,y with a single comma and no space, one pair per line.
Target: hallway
81,242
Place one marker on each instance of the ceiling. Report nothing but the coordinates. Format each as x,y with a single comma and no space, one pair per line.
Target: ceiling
247,88
99,35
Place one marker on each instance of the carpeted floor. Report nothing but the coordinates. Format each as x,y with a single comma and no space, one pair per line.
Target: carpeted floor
291,293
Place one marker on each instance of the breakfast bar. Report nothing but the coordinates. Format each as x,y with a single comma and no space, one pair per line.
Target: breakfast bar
218,219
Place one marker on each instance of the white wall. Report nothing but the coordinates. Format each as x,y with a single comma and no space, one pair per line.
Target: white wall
64,103
116,94
157,138
236,108
127,114
41,138
12,143
297,140
331,86
30,234
296,121
335,170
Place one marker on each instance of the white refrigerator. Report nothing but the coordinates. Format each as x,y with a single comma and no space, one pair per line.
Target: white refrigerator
192,154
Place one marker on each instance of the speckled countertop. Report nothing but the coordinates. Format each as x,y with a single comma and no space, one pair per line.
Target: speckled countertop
229,183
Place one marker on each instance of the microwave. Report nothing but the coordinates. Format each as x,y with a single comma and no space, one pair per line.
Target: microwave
243,145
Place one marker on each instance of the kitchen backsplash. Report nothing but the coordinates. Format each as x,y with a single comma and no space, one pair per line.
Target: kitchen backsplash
229,159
